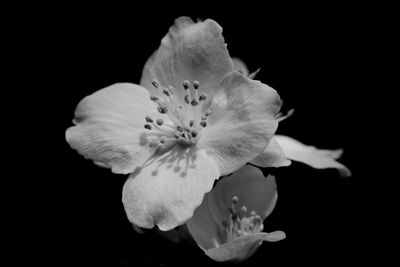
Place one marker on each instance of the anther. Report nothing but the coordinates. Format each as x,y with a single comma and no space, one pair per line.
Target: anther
203,123
194,102
159,122
162,109
253,213
225,224
234,216
196,85
244,209
179,128
194,133
162,140
202,97
149,119
155,83
235,199
165,92
203,118
186,84
147,126
208,112
153,98
186,98
191,123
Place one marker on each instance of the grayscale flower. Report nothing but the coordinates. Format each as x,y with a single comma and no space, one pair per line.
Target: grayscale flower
228,225
191,120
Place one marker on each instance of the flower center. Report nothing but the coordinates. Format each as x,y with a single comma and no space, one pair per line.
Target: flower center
187,118
239,224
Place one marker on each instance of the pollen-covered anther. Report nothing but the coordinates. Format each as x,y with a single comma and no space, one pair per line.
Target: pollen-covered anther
194,102
193,133
186,85
159,122
155,83
162,109
149,119
165,91
196,85
153,98
203,97
187,100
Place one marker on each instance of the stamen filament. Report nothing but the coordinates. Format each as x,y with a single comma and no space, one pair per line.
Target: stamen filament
184,124
238,224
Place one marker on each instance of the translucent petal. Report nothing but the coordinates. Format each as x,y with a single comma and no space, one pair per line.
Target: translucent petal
207,232
310,155
243,247
190,51
255,192
273,156
242,122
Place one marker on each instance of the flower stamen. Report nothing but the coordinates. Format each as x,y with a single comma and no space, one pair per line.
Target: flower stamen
239,224
186,120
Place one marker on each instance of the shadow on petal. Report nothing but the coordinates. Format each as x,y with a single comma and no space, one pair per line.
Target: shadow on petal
168,188
243,247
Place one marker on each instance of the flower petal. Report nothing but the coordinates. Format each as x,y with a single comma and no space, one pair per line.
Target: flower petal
273,156
240,66
310,155
109,127
203,228
255,192
190,51
242,123
166,191
243,247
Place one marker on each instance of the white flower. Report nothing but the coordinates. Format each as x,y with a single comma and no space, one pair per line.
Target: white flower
191,120
228,224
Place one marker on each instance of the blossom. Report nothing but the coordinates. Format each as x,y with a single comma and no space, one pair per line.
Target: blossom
191,120
228,224
282,149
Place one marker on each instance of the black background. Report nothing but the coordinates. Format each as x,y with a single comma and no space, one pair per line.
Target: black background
312,56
